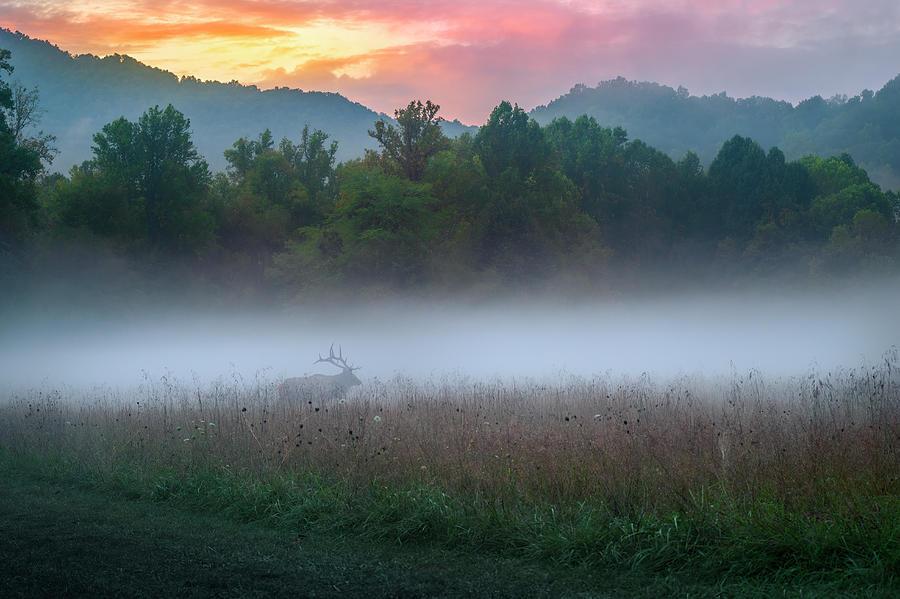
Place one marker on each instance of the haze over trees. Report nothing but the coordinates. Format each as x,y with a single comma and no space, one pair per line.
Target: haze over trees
865,126
80,94
573,205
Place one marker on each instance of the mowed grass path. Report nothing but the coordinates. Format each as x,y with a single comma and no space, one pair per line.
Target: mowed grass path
63,537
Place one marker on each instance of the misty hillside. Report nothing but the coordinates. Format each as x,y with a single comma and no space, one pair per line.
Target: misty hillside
80,94
866,126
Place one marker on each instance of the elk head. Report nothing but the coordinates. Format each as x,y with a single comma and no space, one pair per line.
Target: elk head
321,386
347,378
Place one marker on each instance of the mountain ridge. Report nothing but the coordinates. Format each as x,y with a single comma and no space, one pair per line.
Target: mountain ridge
675,122
81,93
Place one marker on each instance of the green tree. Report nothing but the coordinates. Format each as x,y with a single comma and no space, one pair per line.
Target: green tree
839,208
751,187
510,139
526,222
243,152
593,157
416,138
867,244
20,166
271,192
313,163
149,170
379,235
831,175
99,205
24,114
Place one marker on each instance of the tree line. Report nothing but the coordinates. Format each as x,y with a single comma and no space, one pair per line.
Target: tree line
674,121
516,203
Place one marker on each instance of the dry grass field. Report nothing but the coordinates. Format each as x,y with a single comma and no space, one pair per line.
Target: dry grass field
742,474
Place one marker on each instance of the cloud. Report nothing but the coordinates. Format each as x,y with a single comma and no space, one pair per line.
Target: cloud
468,55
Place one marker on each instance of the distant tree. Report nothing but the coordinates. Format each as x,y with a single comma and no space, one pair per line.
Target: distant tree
416,138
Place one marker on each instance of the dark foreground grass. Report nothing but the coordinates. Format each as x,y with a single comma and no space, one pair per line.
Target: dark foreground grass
70,530
743,486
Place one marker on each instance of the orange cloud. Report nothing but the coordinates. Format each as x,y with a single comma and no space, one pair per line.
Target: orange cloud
468,55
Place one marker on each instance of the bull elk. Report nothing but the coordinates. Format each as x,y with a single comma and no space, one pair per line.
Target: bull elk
321,386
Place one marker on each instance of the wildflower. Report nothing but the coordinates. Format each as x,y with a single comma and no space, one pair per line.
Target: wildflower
377,418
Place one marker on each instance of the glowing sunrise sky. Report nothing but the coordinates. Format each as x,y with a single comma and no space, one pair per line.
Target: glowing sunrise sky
467,55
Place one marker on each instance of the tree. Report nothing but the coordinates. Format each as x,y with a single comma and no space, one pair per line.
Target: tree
839,208
379,235
270,193
25,113
313,162
593,157
149,169
526,223
5,91
418,138
20,166
240,158
510,139
831,175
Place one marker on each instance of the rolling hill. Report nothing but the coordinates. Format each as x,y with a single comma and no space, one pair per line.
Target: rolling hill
866,126
80,94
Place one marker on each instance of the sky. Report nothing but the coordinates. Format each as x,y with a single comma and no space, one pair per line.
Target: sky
468,55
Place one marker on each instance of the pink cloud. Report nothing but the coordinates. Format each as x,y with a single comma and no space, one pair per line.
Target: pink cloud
467,55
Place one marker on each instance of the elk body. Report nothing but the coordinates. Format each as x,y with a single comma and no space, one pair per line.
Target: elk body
321,386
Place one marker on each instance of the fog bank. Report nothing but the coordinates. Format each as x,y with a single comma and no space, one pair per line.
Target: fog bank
777,333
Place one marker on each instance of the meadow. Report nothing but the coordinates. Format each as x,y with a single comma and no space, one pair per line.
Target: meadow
773,479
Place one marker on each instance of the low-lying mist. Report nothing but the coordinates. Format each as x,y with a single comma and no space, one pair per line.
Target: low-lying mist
780,333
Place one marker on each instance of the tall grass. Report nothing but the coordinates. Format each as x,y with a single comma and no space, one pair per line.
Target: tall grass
745,469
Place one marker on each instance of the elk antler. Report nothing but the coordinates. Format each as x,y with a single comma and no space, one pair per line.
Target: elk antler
336,360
